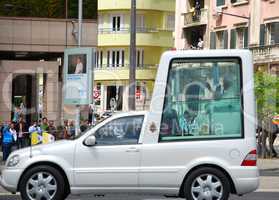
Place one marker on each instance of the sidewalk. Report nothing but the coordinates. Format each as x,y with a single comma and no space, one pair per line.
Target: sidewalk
269,172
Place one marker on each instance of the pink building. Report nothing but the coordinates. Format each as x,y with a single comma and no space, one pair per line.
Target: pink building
230,24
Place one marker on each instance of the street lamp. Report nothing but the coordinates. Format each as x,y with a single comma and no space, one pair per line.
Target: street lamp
132,71
220,12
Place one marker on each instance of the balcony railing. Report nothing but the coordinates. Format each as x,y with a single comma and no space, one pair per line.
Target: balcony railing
127,30
196,18
124,67
264,53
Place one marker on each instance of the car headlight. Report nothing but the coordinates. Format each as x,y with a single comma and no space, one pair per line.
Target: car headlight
13,161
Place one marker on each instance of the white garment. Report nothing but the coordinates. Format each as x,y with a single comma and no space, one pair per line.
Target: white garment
79,68
14,134
200,45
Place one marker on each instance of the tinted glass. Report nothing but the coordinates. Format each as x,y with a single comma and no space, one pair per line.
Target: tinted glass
203,100
120,131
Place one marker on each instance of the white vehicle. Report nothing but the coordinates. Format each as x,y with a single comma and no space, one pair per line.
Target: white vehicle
197,141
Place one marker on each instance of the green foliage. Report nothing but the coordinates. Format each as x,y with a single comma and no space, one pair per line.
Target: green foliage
47,8
267,94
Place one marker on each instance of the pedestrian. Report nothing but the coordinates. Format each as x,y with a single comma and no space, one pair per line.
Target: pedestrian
44,125
84,126
52,129
9,137
72,130
200,44
16,114
1,133
197,10
34,128
65,130
22,132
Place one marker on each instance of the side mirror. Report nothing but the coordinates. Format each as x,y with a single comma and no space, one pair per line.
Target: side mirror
90,141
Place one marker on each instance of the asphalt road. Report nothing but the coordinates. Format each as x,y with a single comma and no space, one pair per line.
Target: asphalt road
253,196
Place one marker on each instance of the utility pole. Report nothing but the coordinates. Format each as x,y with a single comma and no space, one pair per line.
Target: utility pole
132,71
79,44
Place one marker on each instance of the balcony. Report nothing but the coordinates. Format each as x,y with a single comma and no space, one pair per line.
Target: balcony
145,37
192,19
164,5
104,72
265,54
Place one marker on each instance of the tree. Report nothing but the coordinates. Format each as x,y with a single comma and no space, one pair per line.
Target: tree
47,8
267,101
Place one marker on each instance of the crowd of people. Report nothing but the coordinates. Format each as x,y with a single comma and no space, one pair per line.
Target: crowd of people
17,133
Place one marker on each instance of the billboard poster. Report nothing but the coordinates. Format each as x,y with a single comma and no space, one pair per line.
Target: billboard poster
78,75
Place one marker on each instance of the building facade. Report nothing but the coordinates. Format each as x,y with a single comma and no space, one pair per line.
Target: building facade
31,65
232,24
154,25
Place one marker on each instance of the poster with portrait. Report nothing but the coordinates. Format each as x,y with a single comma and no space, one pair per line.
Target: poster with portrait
78,75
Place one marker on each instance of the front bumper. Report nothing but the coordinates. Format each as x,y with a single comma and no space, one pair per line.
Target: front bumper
9,179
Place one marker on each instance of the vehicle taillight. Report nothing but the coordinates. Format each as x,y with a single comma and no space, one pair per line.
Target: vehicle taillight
250,159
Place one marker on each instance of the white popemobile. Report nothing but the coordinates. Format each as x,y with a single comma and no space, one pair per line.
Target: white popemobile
197,141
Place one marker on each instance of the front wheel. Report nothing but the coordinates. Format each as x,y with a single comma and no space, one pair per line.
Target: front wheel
207,184
42,183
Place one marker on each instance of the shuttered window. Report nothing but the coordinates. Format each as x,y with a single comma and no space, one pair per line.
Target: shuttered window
212,40
233,39
225,39
274,33
246,37
262,35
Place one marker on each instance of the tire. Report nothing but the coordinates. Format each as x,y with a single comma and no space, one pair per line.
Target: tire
199,184
45,181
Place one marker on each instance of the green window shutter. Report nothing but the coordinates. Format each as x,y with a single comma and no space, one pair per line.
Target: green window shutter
233,39
225,39
212,40
246,36
262,35
220,2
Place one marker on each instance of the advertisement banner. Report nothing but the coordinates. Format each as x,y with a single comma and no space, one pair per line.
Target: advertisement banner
78,75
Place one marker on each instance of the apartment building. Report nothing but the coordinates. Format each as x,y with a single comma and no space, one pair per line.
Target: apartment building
154,35
231,24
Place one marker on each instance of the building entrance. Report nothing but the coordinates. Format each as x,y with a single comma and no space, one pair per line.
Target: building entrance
115,92
23,97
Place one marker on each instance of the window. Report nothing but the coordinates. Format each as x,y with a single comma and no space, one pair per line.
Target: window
274,33
170,22
99,59
122,131
220,2
140,23
222,39
203,100
116,58
116,23
242,37
100,22
140,57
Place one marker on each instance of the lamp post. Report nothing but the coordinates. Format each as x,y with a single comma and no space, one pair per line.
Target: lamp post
239,16
132,71
79,44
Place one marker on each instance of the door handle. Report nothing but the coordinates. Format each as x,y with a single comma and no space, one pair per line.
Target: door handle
132,149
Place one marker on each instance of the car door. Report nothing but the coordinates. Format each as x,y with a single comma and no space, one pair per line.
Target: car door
114,160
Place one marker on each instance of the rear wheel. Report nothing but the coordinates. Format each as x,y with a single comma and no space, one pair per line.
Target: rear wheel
207,184
42,183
